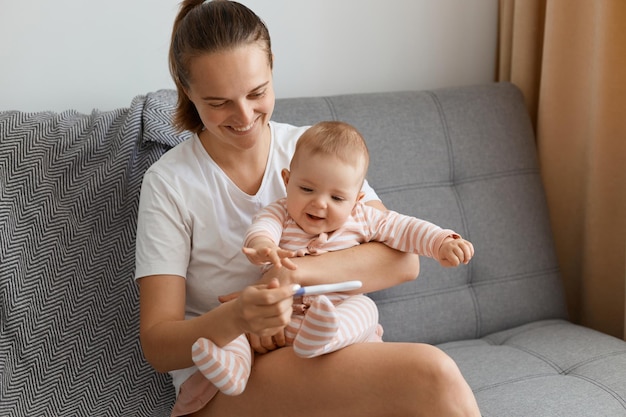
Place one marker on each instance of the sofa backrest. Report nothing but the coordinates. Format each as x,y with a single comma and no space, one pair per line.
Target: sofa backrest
463,158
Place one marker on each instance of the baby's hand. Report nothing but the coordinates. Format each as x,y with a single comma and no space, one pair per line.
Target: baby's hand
454,252
274,255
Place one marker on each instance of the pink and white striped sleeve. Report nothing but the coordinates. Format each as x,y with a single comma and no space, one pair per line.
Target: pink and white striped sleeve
406,233
268,223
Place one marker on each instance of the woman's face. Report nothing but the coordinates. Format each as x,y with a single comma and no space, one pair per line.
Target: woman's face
234,96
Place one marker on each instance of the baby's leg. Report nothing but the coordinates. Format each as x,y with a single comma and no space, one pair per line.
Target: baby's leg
327,328
292,329
228,368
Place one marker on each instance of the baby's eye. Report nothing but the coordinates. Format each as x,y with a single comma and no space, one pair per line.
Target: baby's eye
337,198
306,189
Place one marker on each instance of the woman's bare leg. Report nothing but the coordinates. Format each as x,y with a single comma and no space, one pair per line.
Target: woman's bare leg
368,379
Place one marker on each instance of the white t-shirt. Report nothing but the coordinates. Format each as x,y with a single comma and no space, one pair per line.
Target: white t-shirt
192,219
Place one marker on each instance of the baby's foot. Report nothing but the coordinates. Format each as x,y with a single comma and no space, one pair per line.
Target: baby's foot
319,329
228,369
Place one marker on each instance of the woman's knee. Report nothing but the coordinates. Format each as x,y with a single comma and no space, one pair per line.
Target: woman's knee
444,369
438,374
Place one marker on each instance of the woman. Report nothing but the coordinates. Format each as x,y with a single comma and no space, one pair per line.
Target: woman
196,203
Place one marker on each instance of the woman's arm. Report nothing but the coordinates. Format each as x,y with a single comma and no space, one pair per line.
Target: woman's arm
166,337
375,264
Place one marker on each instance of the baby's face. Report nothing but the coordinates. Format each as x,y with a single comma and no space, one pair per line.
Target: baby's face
321,192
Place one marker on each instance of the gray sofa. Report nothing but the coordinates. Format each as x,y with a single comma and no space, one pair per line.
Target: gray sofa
461,157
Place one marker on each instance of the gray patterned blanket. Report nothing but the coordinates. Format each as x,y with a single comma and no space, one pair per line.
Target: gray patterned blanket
69,189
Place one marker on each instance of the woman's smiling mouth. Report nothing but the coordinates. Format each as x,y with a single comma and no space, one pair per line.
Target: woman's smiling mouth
244,129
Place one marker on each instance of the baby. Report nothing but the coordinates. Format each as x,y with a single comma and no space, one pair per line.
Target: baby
323,212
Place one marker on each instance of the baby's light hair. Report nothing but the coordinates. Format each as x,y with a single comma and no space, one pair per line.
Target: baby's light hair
338,139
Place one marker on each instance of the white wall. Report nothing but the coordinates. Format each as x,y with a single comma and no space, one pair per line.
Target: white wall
84,54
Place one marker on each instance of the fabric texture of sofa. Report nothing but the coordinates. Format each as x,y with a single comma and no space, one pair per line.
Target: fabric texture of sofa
462,157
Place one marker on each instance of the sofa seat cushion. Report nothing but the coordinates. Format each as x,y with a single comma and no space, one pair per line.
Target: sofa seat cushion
551,367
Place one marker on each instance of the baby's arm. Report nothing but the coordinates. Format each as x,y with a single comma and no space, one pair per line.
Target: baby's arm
413,235
262,250
260,244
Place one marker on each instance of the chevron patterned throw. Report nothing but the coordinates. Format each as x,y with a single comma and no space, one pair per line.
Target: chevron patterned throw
69,190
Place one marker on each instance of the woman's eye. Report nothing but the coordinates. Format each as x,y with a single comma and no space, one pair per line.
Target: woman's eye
217,105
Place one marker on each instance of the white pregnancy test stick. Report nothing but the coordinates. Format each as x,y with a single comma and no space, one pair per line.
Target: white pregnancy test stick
326,288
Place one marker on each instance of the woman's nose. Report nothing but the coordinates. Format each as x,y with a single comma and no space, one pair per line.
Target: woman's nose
244,113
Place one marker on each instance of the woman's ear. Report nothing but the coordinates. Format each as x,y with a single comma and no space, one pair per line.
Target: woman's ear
187,94
285,175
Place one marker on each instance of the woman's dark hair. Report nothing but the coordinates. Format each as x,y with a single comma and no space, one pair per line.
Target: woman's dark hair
203,27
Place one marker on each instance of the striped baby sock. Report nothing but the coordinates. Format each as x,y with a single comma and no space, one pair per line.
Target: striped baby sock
318,330
327,328
227,368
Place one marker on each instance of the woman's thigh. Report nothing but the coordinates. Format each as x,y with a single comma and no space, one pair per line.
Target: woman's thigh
368,379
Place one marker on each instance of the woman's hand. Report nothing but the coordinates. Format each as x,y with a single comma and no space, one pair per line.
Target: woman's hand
254,300
267,344
264,309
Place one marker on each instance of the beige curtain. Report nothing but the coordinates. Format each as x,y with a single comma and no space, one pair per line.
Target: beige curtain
569,59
